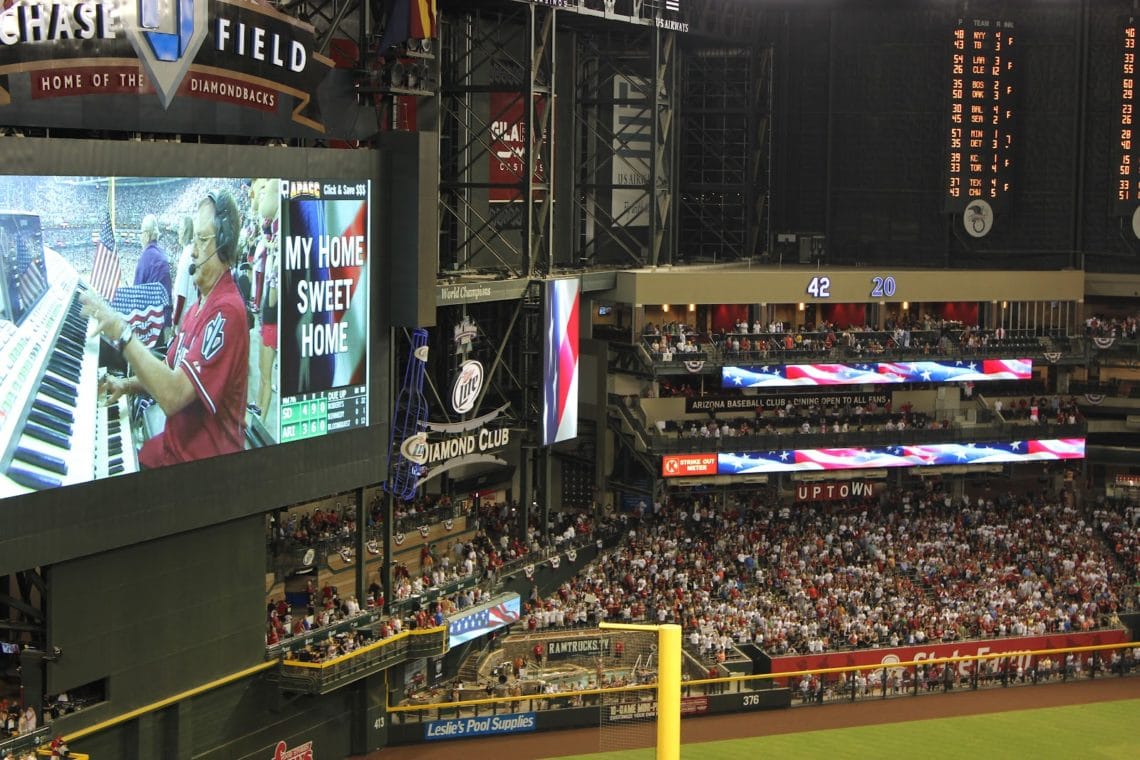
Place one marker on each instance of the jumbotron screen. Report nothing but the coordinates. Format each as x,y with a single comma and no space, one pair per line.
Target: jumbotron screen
875,373
149,321
856,458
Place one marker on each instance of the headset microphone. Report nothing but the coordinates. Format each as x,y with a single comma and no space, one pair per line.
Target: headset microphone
194,266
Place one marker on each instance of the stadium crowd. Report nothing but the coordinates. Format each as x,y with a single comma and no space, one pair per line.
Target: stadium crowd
479,560
911,569
858,417
906,567
780,341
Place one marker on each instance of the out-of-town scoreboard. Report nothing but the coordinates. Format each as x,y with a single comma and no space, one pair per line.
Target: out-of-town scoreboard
980,130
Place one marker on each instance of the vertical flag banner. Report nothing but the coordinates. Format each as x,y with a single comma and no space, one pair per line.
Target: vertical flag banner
422,24
105,271
560,362
633,150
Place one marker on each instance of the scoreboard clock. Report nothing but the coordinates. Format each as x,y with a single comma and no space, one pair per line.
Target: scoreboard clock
979,132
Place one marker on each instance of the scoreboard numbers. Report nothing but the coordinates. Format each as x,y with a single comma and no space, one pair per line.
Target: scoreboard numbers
1126,182
979,132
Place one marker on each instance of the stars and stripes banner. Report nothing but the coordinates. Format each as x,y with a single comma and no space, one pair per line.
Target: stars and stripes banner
875,373
475,623
560,362
33,282
810,460
144,307
105,270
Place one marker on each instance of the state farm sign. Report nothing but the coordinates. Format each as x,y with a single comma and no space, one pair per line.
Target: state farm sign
833,491
685,465
890,656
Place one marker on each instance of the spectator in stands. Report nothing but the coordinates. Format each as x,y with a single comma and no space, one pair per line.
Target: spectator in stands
184,291
267,201
154,264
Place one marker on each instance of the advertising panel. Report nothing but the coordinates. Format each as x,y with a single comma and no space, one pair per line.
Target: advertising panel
806,460
560,362
500,612
876,373
781,401
461,728
892,656
856,489
685,465
149,321
647,708
203,66
509,135
632,150
558,649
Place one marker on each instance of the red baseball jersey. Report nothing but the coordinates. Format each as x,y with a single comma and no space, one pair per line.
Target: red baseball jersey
213,351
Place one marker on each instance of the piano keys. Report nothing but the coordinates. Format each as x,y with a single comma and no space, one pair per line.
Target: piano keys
56,430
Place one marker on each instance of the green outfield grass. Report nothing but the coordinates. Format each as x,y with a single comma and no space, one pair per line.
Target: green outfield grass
1085,732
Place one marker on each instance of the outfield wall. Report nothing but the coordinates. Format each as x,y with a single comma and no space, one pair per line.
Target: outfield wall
556,713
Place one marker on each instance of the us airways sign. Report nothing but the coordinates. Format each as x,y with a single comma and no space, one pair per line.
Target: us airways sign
155,64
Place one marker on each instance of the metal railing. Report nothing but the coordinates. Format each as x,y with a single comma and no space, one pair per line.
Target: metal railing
327,676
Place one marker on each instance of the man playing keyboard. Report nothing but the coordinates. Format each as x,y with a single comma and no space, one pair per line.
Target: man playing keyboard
201,386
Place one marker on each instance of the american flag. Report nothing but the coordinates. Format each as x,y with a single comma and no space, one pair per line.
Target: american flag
32,284
144,308
673,5
803,460
105,274
875,373
483,621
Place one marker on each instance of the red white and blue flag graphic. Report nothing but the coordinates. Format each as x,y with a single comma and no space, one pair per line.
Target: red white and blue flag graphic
105,270
808,460
876,373
144,307
466,627
560,362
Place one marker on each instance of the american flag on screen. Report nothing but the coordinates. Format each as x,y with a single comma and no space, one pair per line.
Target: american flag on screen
483,621
144,308
33,283
875,373
803,460
105,274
